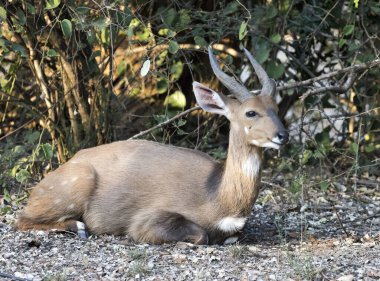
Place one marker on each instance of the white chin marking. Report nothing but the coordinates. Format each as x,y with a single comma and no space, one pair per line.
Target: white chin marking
231,224
267,144
270,144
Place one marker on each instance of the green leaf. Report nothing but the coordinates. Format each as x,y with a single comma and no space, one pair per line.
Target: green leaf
356,3
3,13
168,17
173,47
348,29
183,20
21,17
162,86
83,10
342,42
166,32
262,55
176,71
306,155
19,49
324,185
200,41
231,8
354,148
275,70
67,28
370,148
22,176
31,9
177,100
243,30
275,38
52,4
52,53
32,137
352,46
47,150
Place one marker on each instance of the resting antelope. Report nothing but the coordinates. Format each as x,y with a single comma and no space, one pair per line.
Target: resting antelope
159,193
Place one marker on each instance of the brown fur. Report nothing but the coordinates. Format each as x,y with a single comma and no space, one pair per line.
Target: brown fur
158,193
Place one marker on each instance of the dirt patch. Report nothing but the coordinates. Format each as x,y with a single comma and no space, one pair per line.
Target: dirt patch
331,237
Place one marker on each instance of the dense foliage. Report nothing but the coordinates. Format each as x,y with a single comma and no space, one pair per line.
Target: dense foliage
75,74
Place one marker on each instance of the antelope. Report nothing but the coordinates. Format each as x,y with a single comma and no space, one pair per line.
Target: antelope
156,193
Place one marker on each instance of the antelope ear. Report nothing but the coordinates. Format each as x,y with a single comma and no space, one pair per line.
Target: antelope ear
210,100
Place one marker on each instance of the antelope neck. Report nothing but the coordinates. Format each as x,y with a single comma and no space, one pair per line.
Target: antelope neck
239,185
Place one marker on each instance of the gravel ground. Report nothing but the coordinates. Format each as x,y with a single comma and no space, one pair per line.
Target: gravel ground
329,237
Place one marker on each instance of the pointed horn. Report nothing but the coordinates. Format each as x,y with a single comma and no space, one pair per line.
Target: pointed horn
237,89
269,85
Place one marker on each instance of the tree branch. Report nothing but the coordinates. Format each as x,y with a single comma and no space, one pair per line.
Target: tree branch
160,125
354,68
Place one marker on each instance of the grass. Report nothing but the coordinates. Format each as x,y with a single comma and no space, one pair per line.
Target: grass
238,251
139,264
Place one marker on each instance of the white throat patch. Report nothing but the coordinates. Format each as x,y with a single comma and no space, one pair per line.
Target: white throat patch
231,224
251,166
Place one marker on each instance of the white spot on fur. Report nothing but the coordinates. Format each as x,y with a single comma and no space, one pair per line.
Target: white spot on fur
246,130
90,177
74,162
231,224
71,206
57,201
255,142
63,218
51,187
64,182
251,166
73,179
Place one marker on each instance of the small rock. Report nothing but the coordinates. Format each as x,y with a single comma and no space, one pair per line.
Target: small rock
348,277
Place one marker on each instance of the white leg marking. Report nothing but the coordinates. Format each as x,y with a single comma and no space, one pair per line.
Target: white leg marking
231,240
81,229
231,224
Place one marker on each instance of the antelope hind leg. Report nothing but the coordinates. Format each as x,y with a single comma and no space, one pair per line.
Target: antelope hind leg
165,227
69,225
60,199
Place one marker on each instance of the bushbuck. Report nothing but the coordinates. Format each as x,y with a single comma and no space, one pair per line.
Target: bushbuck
159,193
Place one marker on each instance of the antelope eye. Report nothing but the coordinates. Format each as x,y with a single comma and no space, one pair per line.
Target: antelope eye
251,114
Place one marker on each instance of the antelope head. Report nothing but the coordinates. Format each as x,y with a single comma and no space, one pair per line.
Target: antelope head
253,118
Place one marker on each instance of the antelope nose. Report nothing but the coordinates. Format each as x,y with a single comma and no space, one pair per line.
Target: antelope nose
283,137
